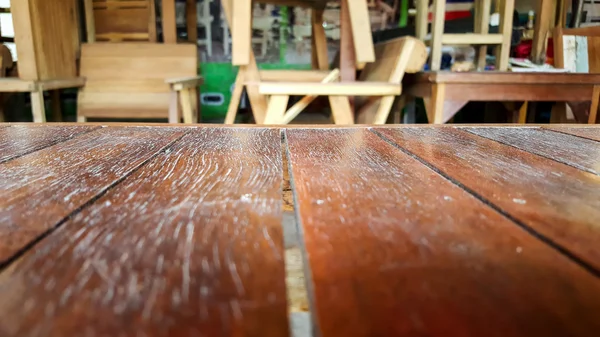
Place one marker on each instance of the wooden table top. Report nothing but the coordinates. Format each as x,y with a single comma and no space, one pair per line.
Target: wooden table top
498,77
406,231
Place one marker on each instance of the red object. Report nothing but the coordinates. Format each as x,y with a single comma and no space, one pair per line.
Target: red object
523,50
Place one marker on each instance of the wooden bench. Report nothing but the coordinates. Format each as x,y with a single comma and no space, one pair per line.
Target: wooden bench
380,83
139,80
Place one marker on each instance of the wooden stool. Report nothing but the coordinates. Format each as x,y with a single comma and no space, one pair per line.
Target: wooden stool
481,36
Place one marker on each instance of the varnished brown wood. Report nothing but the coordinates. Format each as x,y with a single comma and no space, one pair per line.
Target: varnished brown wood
557,202
589,133
189,245
18,140
39,190
503,86
581,153
397,250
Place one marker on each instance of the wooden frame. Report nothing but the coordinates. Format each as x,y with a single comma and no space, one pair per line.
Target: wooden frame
481,36
249,77
139,80
380,84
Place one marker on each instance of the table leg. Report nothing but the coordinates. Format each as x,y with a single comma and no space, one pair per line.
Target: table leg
56,108
37,107
594,107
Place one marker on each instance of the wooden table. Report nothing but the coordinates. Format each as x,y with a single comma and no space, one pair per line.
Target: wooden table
446,92
176,231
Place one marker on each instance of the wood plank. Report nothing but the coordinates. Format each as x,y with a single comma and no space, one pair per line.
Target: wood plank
19,140
241,32
40,190
169,24
333,89
361,31
471,39
558,203
189,244
589,133
581,153
397,250
493,77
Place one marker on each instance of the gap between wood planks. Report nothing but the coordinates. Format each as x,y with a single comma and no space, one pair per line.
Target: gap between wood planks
6,264
295,279
564,251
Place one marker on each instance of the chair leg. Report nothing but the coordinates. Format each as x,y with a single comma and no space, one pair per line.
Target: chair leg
174,112
186,105
341,111
422,15
37,107
56,108
383,112
276,110
236,97
196,106
437,30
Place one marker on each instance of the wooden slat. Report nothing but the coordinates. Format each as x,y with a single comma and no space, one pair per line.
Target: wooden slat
471,39
169,22
39,190
190,244
581,153
397,250
556,201
333,89
241,32
19,140
589,133
361,31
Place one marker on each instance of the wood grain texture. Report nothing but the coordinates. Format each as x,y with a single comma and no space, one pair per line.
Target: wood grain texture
589,133
19,140
397,250
581,153
41,189
191,244
557,202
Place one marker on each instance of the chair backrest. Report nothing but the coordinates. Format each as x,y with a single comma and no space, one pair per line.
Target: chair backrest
128,79
393,58
577,49
124,20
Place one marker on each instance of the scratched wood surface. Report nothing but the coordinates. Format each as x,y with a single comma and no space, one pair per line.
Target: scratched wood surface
395,249
578,152
188,245
18,140
555,201
39,190
590,133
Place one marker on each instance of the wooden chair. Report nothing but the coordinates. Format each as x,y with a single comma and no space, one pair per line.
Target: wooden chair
481,37
139,80
378,86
